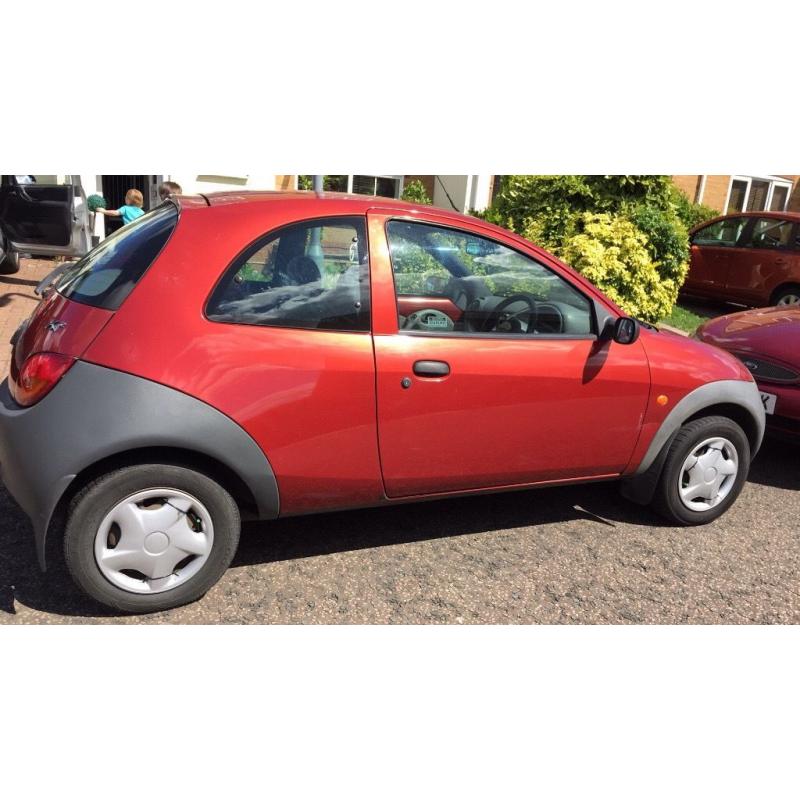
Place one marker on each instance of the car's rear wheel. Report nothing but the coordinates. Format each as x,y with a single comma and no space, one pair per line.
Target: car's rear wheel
150,537
786,296
704,472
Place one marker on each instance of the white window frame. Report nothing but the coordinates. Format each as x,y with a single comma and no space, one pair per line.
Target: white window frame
748,179
398,178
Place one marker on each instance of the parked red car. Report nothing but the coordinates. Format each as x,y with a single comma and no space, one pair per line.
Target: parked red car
767,341
752,259
265,355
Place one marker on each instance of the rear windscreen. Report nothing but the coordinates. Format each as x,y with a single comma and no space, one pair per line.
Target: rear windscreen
105,276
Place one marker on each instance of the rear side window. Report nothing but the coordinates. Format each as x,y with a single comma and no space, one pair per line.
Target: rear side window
105,276
724,233
313,274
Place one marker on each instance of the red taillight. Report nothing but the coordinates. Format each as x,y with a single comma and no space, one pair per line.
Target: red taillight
39,374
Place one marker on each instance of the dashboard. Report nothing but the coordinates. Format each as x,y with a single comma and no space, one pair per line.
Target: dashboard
467,309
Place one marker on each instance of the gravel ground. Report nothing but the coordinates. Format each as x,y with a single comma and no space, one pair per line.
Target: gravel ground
573,554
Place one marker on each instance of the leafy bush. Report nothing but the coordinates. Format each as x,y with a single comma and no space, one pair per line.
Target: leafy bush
667,239
690,213
559,212
414,192
615,255
551,199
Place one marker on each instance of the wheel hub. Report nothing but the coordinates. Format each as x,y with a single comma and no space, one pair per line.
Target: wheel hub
154,540
708,474
156,543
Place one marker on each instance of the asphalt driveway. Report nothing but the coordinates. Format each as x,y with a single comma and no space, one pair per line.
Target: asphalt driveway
572,554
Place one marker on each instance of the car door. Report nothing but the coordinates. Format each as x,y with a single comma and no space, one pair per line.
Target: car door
762,262
474,398
712,249
43,218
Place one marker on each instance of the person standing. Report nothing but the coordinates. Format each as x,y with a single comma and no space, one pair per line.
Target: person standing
168,188
132,209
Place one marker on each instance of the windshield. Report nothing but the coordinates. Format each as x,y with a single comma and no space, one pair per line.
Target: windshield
105,276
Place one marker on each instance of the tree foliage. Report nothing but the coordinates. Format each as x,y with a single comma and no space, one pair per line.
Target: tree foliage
614,255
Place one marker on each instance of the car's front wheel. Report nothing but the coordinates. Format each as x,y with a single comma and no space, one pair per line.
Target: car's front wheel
9,262
150,537
705,470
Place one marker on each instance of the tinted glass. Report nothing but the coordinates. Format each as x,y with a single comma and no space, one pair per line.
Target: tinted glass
738,194
757,199
314,274
453,281
771,234
105,276
724,233
780,195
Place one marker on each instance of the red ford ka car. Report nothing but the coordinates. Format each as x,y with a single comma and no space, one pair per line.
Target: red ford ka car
767,340
263,355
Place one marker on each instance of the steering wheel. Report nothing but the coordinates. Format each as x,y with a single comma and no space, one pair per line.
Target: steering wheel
497,317
428,319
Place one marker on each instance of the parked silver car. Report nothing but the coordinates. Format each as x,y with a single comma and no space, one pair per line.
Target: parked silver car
41,218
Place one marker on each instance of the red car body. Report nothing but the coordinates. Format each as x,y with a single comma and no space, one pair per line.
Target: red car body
299,420
751,258
767,341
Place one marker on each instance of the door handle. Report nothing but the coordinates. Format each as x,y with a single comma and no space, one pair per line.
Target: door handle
431,369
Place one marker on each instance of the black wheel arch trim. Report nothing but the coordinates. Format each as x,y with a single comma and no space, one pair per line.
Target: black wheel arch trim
95,414
737,399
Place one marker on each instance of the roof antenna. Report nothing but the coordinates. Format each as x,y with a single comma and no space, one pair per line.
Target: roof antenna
444,189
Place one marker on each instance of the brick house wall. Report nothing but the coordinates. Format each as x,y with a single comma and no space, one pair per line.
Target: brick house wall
688,184
285,183
715,191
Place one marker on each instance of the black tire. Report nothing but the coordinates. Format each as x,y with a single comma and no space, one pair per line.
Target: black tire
93,503
10,264
667,501
783,292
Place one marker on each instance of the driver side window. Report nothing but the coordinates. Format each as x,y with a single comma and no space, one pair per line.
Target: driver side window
451,281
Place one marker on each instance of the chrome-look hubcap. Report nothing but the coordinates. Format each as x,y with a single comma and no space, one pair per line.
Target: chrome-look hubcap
789,300
154,540
708,474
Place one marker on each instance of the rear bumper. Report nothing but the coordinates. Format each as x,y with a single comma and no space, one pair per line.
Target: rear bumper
24,465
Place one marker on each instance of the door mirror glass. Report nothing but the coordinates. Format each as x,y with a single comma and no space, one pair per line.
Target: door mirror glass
626,330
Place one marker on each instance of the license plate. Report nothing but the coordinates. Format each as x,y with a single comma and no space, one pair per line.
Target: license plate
769,401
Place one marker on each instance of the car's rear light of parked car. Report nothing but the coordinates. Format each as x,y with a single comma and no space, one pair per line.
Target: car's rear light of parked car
39,374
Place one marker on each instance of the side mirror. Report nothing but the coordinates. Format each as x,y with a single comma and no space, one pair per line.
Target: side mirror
626,330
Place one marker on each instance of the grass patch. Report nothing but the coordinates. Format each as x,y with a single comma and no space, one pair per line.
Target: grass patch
685,318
